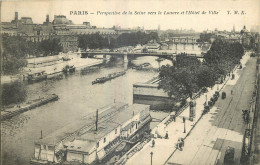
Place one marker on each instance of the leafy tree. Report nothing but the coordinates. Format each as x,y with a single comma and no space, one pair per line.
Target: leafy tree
206,76
188,75
94,41
205,37
50,47
15,50
183,60
180,79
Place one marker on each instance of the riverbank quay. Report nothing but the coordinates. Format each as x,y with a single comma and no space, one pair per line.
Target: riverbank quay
5,79
165,148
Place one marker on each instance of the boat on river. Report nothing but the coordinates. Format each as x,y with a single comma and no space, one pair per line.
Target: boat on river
37,76
108,77
96,138
142,66
69,69
13,111
159,59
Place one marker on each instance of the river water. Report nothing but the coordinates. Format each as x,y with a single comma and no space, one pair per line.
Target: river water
77,98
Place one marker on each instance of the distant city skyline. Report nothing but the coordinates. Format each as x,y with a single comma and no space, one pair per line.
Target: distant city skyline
38,11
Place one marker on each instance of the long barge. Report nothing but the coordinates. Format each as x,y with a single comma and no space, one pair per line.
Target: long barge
142,66
109,77
8,113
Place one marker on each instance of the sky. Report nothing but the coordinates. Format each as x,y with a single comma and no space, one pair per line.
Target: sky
222,21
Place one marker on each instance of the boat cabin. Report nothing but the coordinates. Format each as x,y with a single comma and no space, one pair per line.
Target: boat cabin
37,75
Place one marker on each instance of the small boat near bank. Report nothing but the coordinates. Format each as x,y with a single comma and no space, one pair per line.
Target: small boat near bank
10,112
37,76
69,69
108,77
159,59
142,66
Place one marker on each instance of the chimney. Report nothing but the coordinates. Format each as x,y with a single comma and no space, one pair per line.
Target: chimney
16,16
47,18
97,120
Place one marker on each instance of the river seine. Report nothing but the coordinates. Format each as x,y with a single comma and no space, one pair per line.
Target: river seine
77,98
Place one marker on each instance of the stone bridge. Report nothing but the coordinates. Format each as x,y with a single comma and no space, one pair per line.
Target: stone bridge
166,55
182,40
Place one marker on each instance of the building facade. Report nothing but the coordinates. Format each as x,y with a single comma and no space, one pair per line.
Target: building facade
60,28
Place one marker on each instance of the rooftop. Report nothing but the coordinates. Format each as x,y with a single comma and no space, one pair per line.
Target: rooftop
146,85
85,123
81,145
88,139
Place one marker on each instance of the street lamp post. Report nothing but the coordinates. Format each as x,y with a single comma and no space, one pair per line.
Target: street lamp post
151,158
206,99
184,125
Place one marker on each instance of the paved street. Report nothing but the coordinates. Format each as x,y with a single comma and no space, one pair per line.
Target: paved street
222,127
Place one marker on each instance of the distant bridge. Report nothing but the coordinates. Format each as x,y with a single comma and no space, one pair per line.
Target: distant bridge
183,40
166,55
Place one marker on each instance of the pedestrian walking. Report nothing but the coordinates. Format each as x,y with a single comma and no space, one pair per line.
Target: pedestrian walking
182,140
153,143
231,92
166,136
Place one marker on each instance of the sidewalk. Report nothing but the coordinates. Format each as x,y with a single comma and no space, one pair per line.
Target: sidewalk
164,148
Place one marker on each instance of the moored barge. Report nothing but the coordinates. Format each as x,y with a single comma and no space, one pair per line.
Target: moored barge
69,69
8,113
142,66
109,77
88,143
36,76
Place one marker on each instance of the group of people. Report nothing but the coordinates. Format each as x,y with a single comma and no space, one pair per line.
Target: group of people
179,144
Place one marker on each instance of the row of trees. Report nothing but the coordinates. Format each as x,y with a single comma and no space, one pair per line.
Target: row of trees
188,75
94,41
16,49
205,37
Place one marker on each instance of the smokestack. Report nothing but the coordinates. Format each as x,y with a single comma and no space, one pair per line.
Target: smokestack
47,18
97,120
16,16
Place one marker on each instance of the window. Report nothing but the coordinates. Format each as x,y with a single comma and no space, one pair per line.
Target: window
115,131
104,140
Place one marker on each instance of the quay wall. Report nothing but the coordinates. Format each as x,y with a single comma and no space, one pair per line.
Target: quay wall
149,94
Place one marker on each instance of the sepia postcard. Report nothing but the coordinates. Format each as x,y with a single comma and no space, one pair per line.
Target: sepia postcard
131,82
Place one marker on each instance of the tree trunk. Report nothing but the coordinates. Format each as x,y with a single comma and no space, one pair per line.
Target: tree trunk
190,94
